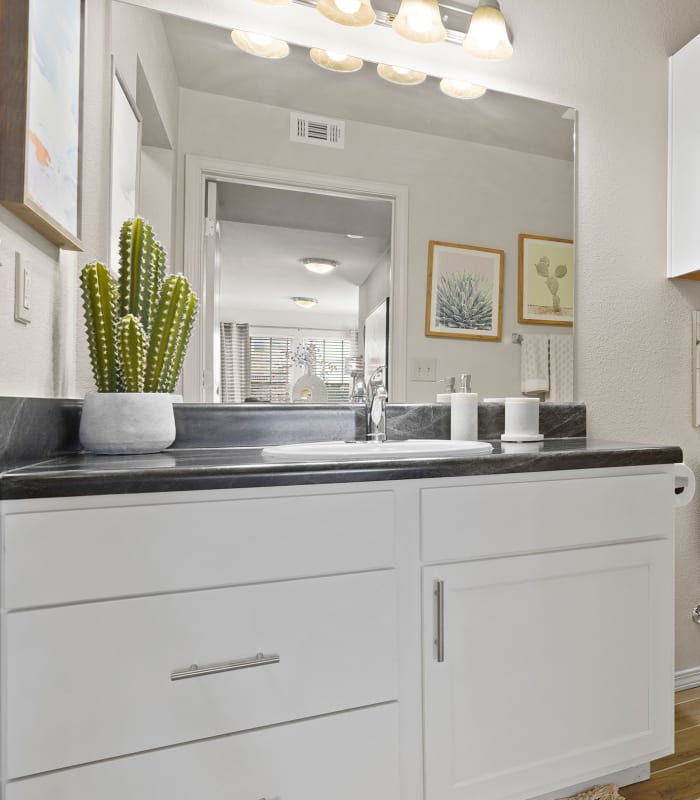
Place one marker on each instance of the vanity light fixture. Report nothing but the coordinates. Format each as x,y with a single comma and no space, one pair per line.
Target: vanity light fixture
461,90
304,302
419,21
355,13
400,75
258,44
487,36
336,62
321,266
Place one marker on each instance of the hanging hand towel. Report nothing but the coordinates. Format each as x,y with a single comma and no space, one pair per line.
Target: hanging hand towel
561,369
534,364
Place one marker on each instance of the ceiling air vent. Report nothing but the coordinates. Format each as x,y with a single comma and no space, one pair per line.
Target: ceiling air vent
317,130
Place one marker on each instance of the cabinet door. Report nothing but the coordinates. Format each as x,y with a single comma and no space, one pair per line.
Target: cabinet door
557,668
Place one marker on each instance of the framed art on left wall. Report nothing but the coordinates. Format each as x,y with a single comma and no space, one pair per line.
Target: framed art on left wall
41,49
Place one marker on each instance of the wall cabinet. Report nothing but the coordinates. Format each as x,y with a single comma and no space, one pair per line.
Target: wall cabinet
496,637
684,163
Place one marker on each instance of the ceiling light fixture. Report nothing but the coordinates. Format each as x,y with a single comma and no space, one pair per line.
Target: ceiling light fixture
419,21
487,36
336,62
461,90
258,44
321,266
400,75
355,13
304,302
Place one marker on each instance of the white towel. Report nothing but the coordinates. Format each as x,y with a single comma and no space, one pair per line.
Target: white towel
561,369
534,364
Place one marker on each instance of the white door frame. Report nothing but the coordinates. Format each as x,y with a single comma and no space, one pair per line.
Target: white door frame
199,169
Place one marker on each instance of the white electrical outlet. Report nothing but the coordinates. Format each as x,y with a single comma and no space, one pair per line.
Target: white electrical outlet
23,290
423,369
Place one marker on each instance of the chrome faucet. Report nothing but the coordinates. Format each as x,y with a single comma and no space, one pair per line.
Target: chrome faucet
377,397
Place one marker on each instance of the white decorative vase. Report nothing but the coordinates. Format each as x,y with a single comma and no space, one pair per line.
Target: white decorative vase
126,423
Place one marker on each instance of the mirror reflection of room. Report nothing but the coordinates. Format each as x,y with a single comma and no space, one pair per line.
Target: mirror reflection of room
476,173
300,275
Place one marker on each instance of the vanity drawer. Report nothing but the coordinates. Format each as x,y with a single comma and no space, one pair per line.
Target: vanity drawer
510,518
93,553
344,756
91,681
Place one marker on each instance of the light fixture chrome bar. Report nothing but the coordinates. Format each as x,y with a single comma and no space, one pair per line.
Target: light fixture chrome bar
384,18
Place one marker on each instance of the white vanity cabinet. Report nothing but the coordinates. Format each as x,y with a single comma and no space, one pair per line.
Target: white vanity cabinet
204,644
496,637
549,641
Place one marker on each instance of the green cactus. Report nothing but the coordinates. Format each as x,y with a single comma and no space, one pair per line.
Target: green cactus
131,351
100,310
138,329
166,332
136,273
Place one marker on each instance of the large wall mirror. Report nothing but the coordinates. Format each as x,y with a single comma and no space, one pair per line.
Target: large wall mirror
310,252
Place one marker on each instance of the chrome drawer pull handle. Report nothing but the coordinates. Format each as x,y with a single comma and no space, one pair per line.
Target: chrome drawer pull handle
439,602
195,671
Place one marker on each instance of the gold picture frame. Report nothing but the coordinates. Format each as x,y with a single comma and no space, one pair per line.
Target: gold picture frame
464,298
545,280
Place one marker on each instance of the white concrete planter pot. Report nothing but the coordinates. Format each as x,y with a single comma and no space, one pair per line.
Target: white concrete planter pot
125,423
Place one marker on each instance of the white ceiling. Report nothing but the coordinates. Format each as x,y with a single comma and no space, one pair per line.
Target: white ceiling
206,60
264,261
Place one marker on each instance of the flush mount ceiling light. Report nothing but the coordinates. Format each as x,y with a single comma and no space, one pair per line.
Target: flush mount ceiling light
356,13
487,36
322,266
257,44
400,75
419,21
461,90
304,302
337,62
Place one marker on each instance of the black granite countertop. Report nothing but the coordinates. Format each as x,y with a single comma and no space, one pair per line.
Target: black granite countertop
234,467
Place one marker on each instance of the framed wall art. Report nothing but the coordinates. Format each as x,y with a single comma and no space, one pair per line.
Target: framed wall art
41,51
465,291
125,161
545,280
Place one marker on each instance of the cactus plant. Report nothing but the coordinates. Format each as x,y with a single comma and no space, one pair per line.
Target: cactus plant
138,327
551,281
464,301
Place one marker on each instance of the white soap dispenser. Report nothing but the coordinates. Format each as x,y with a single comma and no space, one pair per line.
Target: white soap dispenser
446,396
464,415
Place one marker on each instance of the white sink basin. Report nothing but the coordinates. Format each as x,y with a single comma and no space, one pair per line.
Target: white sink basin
375,451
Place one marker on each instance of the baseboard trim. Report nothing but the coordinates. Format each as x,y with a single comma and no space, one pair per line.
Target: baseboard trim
687,678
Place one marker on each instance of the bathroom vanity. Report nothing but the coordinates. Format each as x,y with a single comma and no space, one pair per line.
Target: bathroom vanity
205,624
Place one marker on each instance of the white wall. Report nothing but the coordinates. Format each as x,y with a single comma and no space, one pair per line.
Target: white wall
458,192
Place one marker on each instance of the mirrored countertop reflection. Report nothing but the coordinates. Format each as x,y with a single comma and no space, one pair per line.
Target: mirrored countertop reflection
237,467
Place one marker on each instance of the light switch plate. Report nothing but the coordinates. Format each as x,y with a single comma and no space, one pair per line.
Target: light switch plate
23,290
423,369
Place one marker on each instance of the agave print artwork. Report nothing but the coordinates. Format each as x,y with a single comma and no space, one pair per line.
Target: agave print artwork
545,280
465,291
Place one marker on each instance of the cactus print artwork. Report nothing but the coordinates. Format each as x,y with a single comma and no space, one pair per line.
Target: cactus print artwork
465,291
